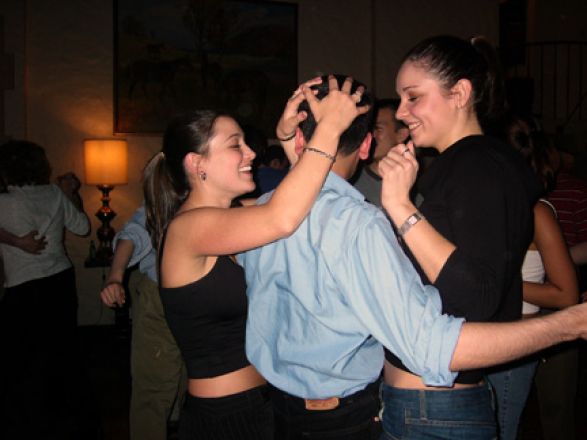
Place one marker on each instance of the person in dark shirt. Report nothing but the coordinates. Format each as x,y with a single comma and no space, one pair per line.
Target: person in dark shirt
272,168
469,235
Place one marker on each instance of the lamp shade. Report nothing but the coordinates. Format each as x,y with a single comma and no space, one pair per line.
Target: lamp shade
106,161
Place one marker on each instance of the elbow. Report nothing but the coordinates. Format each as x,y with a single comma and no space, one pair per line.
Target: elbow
568,300
284,224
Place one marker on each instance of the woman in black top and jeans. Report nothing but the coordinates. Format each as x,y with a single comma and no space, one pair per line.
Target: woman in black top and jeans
469,235
189,187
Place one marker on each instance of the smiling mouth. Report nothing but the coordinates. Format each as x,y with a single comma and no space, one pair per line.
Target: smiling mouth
245,169
413,126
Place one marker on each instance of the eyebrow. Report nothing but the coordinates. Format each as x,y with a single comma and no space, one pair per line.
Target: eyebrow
408,88
234,135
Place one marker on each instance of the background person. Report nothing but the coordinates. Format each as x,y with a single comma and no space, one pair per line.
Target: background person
38,313
157,370
548,274
387,133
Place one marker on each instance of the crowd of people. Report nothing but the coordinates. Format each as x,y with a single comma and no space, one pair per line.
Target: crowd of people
364,296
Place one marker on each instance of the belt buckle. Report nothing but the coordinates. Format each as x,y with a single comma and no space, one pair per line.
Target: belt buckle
322,404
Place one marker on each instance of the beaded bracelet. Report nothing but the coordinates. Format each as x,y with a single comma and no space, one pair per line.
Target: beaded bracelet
321,153
287,138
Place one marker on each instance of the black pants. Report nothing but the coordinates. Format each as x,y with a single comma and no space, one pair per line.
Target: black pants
354,419
243,416
40,364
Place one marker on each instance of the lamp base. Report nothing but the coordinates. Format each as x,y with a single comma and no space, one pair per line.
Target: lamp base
105,233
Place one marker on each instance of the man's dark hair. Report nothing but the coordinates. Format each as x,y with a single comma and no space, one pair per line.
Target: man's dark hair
271,153
392,104
353,136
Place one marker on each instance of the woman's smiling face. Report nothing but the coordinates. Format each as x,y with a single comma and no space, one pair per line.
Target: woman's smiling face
427,107
229,160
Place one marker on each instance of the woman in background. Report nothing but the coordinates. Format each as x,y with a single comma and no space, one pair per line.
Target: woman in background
38,313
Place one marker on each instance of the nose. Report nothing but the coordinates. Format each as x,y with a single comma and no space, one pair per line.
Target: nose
248,152
402,111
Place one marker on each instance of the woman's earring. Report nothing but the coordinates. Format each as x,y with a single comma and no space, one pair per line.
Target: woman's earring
202,175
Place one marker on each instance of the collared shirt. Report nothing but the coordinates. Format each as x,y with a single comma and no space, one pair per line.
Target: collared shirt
45,209
322,301
143,252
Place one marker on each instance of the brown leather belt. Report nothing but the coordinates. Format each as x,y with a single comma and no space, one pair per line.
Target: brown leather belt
322,404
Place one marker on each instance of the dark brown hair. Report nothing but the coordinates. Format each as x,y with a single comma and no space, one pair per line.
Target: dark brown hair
451,59
165,183
23,163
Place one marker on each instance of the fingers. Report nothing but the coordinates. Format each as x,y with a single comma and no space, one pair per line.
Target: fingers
113,294
333,83
358,94
309,96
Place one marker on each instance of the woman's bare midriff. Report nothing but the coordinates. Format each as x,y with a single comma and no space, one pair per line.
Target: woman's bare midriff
231,383
399,378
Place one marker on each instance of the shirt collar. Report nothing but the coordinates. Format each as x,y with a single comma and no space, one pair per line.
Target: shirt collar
336,183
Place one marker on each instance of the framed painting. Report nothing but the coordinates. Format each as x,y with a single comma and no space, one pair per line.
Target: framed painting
170,56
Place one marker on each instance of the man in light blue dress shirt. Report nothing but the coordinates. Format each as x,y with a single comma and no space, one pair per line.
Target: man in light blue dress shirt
323,301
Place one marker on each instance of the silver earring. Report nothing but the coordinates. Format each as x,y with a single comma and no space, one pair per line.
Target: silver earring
203,175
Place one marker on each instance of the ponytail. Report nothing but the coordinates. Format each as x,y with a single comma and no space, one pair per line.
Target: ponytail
161,198
165,183
491,102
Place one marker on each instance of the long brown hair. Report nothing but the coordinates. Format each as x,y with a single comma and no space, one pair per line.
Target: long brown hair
165,183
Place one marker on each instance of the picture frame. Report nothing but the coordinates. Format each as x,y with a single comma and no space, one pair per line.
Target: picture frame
172,56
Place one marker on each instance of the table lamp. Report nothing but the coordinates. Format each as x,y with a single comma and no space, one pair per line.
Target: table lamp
106,165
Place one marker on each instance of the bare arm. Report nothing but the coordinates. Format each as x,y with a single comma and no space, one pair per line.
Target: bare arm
227,231
560,287
486,344
398,170
27,243
113,292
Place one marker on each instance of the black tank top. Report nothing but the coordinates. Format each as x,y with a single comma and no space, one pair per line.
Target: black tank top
207,319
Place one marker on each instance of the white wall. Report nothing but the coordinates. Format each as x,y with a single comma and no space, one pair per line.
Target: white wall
68,83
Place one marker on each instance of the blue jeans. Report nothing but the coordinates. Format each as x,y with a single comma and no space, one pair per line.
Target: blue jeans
459,414
511,387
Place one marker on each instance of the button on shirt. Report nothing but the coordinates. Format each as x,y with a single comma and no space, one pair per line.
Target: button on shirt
324,300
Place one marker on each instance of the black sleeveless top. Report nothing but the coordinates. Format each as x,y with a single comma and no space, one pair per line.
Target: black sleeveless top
207,319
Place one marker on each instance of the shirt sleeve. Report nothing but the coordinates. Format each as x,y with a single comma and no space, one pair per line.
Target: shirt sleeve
135,231
74,220
389,299
473,279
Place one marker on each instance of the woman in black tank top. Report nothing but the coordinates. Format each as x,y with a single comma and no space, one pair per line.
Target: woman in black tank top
189,187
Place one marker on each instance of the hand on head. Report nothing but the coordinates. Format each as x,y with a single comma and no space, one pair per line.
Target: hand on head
339,108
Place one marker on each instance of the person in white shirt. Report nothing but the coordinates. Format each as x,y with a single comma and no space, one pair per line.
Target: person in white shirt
38,313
